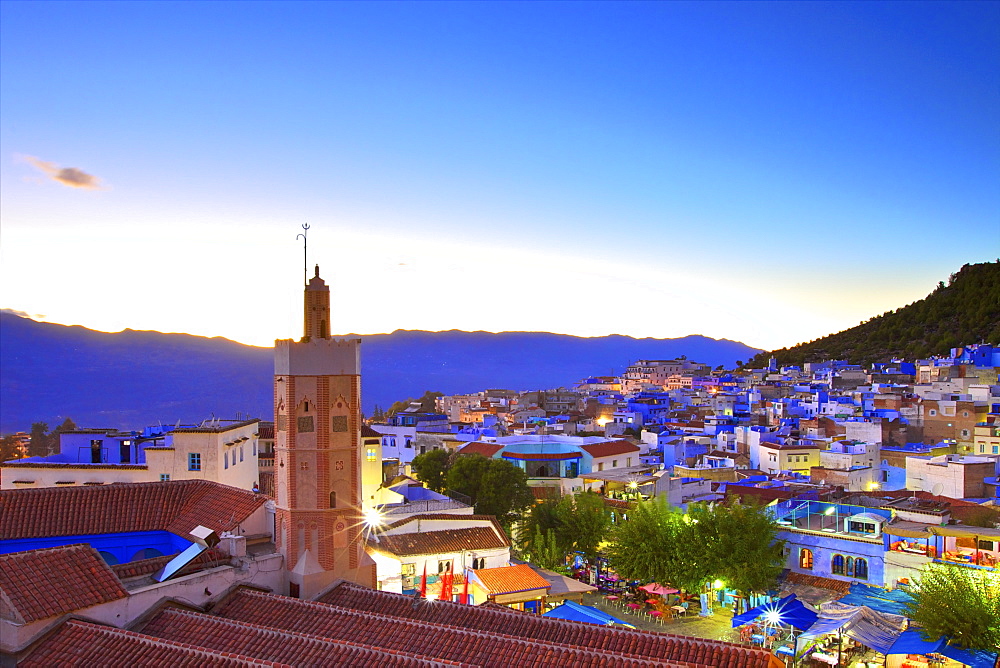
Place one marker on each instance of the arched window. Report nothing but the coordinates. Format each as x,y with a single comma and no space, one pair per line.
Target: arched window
805,559
850,567
861,569
837,567
333,499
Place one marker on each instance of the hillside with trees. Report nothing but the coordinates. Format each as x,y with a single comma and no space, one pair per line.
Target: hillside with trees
966,310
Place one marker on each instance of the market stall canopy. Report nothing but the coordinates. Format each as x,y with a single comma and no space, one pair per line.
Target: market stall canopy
584,613
912,642
788,610
892,602
872,629
653,588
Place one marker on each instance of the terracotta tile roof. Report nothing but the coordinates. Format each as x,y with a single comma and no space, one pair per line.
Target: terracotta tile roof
541,493
134,569
177,507
368,432
283,646
73,465
218,429
444,541
534,456
477,448
492,619
442,516
440,641
610,448
78,643
54,581
839,586
266,431
511,579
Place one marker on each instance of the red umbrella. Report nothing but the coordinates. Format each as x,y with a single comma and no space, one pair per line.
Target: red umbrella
423,583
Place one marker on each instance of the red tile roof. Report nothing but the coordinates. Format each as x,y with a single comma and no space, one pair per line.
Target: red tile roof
266,431
534,456
839,586
610,448
478,448
283,646
482,648
368,432
443,516
177,507
511,579
54,581
444,541
492,619
134,569
78,643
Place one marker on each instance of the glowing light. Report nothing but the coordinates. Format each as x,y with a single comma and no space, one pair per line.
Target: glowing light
373,518
872,486
603,421
718,584
633,485
830,510
773,617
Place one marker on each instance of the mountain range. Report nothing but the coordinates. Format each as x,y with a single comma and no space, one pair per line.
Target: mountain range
132,379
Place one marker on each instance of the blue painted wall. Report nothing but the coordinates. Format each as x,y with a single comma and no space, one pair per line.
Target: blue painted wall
117,548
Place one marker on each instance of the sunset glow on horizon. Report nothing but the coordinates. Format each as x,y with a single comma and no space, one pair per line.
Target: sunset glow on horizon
768,173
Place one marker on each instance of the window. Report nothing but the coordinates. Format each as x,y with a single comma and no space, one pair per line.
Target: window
444,565
861,569
805,559
372,454
333,499
408,443
255,448
392,442
600,466
478,563
996,450
95,452
614,463
861,527
849,570
965,433
241,452
164,477
837,565
987,545
225,460
124,451
194,461
932,412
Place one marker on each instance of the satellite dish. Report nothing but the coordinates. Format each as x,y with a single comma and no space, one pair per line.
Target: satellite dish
937,489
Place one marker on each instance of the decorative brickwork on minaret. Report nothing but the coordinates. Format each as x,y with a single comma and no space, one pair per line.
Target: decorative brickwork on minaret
317,468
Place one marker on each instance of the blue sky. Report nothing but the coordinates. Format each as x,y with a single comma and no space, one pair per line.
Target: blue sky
765,172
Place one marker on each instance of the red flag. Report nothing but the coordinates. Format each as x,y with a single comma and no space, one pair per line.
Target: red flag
465,590
423,583
447,581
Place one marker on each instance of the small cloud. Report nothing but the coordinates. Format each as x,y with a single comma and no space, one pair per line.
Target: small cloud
68,176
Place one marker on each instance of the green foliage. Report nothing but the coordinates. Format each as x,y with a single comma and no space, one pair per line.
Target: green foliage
466,475
39,446
504,492
583,523
656,544
427,403
9,448
958,602
965,311
733,543
431,468
545,550
540,519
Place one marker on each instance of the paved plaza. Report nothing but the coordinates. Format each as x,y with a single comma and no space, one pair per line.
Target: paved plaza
716,627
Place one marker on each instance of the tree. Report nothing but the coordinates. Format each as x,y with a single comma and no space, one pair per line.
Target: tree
535,524
960,603
743,541
504,492
39,445
466,475
431,468
583,523
545,551
657,544
10,448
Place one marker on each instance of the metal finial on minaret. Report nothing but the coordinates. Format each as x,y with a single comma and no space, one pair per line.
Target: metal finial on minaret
305,253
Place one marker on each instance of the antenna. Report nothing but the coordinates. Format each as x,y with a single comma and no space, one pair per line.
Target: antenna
305,250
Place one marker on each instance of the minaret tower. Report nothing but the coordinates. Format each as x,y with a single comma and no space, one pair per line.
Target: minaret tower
317,417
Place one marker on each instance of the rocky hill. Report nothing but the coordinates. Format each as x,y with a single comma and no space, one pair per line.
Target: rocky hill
965,310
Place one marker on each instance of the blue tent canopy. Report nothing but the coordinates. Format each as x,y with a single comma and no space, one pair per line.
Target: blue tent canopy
912,642
584,613
880,600
788,610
